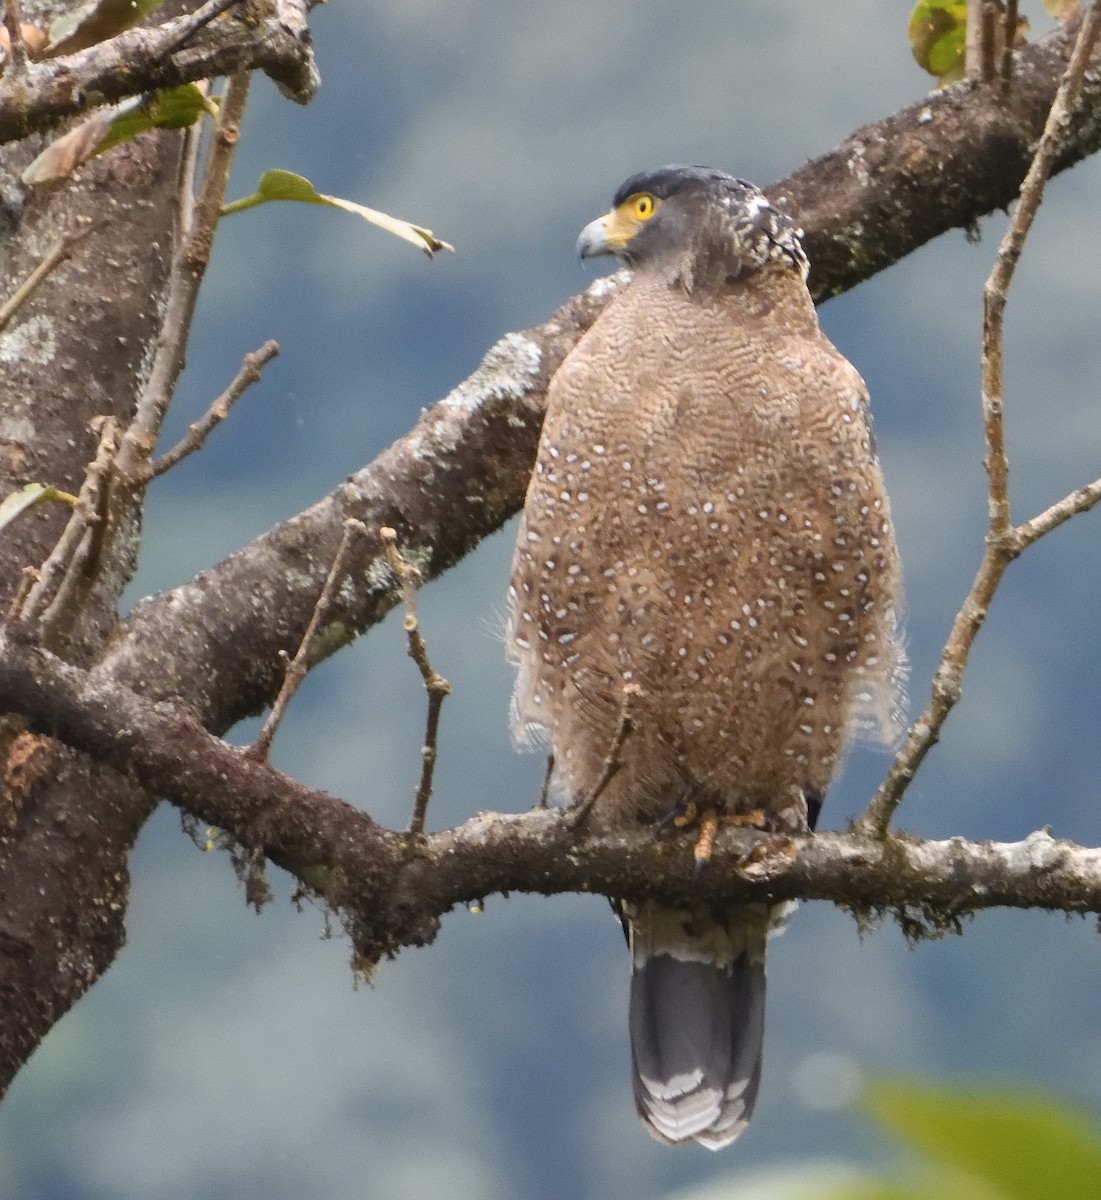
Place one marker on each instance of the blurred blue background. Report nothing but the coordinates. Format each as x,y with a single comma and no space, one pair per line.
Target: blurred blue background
227,1055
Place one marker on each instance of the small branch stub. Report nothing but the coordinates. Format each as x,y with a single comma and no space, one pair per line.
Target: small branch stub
56,255
56,592
435,685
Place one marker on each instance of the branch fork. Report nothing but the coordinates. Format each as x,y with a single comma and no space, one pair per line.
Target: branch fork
1004,541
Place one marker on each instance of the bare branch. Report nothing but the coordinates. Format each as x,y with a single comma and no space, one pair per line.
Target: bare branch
973,31
1003,542
189,165
59,574
389,899
1051,518
29,576
296,668
612,762
897,183
1009,40
1009,253
58,252
143,60
195,21
188,269
434,684
13,22
196,435
989,40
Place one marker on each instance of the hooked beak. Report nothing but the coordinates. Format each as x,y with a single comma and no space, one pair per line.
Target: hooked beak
593,240
608,234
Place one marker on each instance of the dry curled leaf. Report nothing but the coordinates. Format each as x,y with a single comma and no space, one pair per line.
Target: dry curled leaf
95,22
34,39
169,108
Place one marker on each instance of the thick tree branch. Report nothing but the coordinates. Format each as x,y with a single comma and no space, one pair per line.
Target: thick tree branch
461,472
274,39
938,164
388,899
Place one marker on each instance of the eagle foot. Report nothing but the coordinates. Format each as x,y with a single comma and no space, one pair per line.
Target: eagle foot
709,827
756,818
683,814
705,843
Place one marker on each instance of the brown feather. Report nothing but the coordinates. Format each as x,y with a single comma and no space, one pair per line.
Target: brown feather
706,519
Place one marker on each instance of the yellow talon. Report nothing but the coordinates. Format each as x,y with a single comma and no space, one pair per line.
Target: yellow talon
705,843
688,817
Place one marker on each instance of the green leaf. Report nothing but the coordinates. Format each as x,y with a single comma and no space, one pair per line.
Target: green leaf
873,1189
1025,1145
937,33
285,185
95,22
922,1181
169,108
27,497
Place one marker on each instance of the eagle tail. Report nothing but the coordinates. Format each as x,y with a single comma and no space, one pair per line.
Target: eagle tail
697,1019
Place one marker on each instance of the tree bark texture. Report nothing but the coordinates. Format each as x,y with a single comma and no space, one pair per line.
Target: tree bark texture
77,350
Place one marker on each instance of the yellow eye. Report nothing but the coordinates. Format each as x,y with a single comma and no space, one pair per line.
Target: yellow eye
643,206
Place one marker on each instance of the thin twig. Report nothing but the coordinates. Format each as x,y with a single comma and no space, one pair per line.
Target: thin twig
973,31
196,435
1003,541
84,511
189,165
989,39
70,560
297,667
188,268
199,19
29,576
612,762
58,252
1009,253
17,48
435,685
1009,28
1051,518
